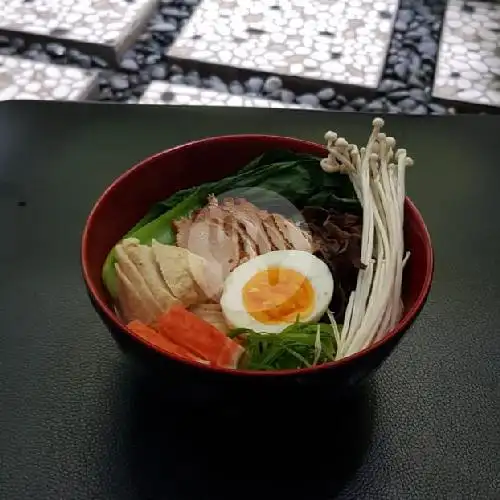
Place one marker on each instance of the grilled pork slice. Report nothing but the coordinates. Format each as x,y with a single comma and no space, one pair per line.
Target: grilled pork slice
233,231
248,216
225,245
296,237
209,239
277,239
279,233
182,228
212,210
258,224
248,247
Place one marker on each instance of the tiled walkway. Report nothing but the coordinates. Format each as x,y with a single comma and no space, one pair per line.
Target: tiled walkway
182,95
102,26
340,42
379,53
469,61
26,79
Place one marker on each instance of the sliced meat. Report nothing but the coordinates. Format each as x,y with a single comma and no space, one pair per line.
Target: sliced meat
248,217
195,238
298,239
232,231
175,265
208,307
247,249
223,243
277,239
207,278
209,240
205,226
211,313
248,246
212,210
222,214
143,258
132,304
182,228
129,269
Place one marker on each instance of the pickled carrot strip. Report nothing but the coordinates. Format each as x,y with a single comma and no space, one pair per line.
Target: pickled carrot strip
189,331
151,335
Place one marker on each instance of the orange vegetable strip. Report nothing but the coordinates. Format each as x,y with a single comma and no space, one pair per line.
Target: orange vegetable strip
203,339
155,338
230,355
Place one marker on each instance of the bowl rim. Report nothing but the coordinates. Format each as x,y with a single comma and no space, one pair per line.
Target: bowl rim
404,323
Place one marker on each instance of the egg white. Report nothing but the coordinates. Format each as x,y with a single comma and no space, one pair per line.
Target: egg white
312,268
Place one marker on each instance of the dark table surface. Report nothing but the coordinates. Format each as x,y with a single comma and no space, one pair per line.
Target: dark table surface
78,422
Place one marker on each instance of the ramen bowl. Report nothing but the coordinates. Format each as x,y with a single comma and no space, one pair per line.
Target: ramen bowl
154,179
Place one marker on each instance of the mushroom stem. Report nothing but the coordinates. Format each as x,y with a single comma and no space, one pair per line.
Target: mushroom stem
377,173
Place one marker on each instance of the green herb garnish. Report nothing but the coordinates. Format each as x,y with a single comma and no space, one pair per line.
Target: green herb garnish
300,345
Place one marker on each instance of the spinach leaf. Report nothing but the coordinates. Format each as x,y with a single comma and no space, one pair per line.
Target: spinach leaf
297,177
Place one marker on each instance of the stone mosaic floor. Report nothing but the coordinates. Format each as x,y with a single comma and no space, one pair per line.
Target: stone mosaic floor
468,68
25,79
101,23
341,41
168,93
352,55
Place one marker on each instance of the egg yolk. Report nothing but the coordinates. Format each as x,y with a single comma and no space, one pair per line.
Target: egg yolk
278,295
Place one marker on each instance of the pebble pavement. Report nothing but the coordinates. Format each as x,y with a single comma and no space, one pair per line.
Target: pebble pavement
405,86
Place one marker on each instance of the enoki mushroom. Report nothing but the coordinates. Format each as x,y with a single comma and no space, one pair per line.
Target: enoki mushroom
377,173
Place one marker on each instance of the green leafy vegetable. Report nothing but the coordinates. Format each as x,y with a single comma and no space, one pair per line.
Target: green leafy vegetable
294,176
300,345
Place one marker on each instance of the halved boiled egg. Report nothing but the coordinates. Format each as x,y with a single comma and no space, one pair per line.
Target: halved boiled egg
271,291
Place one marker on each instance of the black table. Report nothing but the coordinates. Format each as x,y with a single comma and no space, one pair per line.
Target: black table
78,422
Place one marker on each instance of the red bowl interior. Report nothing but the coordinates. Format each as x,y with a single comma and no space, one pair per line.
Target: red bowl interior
154,179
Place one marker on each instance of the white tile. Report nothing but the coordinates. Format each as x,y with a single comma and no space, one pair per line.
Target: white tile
468,67
100,22
183,94
290,37
26,79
